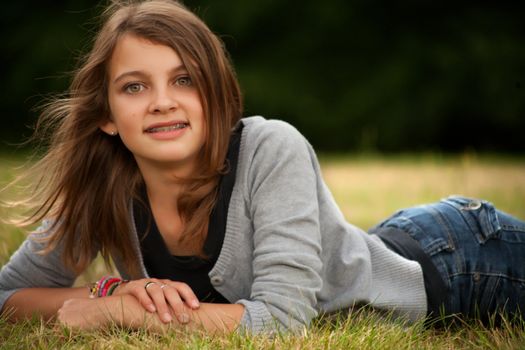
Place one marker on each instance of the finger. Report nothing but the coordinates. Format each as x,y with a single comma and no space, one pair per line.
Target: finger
138,290
186,293
176,303
157,295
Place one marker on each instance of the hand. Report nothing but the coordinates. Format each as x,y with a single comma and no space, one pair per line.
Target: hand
160,294
83,313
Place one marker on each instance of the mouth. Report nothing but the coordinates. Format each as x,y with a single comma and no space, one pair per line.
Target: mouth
166,128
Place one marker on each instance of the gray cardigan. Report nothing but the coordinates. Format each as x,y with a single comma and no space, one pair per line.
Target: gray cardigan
288,253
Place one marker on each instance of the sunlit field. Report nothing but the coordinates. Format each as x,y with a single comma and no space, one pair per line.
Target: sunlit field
368,189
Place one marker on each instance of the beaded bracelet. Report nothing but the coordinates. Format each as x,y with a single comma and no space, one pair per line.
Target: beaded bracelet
104,286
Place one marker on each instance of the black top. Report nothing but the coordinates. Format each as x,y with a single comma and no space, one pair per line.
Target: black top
191,270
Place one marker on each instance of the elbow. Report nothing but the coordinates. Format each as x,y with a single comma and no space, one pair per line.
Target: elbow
264,318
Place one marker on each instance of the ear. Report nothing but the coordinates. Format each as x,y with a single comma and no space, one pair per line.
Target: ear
109,128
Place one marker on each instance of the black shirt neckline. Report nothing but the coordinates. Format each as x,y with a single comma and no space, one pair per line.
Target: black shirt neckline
193,270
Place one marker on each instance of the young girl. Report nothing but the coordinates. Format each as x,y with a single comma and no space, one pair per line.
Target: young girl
219,222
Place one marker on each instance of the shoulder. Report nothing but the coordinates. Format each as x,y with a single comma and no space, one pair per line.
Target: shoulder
271,147
270,126
272,133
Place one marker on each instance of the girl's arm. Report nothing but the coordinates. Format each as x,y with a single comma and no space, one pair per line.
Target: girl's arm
35,284
126,311
32,283
44,302
282,185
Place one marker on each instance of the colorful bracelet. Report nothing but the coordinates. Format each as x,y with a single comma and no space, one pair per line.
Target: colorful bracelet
104,286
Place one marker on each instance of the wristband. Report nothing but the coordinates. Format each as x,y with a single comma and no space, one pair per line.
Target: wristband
104,286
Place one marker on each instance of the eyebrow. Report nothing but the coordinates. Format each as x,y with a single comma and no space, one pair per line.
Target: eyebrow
140,73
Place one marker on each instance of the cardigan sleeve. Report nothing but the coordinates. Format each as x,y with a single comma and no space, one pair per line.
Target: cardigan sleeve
27,268
284,210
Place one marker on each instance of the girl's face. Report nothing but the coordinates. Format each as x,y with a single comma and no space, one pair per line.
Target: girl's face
155,108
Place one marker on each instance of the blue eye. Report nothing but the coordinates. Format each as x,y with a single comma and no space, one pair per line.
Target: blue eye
133,88
184,81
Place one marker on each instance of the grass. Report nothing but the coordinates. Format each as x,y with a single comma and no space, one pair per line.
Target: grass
368,189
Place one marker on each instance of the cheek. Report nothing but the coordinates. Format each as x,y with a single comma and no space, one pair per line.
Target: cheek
122,106
130,137
128,125
125,115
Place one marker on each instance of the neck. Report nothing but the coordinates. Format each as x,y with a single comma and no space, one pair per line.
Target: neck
164,184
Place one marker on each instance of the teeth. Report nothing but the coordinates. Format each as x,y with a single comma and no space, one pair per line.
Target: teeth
167,128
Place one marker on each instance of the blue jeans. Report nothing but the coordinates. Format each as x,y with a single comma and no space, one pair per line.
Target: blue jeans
478,250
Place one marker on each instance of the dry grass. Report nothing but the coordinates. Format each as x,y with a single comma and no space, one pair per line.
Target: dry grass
368,189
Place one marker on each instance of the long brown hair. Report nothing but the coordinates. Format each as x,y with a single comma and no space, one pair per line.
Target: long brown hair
86,180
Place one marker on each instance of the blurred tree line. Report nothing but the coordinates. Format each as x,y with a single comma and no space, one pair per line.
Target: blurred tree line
352,75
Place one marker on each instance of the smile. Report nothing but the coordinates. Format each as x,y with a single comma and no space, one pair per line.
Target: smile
167,128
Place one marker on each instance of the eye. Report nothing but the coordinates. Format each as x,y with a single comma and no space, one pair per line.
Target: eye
184,81
133,88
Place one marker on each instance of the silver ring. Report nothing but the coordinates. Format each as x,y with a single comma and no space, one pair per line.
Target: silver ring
148,284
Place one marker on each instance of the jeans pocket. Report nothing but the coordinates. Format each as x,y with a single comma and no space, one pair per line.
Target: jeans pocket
437,246
510,223
480,215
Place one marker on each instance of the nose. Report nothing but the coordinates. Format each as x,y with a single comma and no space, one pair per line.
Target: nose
163,101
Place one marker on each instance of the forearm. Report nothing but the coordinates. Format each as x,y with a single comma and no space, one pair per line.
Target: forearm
208,317
216,317
43,302
126,311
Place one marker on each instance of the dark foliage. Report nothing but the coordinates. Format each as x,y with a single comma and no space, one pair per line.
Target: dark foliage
351,75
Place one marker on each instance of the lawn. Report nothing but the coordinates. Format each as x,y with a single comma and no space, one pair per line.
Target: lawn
367,188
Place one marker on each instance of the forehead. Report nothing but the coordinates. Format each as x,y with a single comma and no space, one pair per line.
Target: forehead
135,53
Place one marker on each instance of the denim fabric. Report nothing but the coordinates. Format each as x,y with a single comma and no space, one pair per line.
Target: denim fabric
478,250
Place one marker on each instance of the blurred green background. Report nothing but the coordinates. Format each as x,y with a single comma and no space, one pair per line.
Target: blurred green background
364,75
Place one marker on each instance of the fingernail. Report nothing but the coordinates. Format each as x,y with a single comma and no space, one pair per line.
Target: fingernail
184,318
195,304
151,308
167,317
